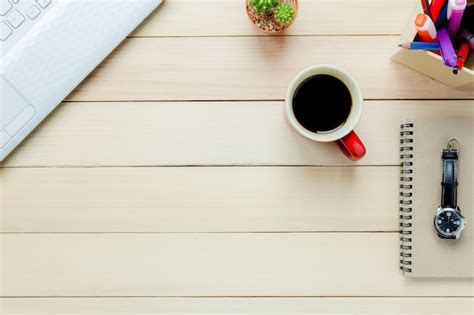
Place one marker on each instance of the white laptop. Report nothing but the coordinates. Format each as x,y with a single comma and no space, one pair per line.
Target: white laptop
47,47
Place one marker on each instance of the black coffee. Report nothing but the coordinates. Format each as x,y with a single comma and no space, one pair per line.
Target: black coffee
322,103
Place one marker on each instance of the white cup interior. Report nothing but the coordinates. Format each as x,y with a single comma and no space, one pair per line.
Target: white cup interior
354,115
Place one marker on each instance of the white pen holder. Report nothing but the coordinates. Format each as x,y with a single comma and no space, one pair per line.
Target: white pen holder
431,64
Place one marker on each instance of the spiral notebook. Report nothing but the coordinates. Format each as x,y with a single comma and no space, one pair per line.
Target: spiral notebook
422,253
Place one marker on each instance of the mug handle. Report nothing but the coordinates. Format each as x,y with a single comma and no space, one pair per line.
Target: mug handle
352,146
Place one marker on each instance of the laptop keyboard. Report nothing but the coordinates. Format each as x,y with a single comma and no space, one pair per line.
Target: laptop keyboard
17,17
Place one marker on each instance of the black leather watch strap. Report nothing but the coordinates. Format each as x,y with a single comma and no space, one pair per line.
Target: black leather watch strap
452,237
450,178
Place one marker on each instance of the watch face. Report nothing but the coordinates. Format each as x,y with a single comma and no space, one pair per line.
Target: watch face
448,221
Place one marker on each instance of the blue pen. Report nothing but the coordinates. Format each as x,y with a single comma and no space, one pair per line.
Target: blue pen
443,15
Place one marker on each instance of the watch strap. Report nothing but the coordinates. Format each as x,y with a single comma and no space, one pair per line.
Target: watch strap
451,237
449,182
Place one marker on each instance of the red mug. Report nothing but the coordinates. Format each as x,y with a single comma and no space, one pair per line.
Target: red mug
347,140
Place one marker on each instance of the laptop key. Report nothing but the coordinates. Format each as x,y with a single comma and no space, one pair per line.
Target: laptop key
15,18
5,7
33,12
43,3
5,31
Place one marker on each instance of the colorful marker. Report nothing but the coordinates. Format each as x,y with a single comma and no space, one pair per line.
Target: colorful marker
443,15
455,12
420,45
462,55
467,37
425,27
436,7
447,49
426,7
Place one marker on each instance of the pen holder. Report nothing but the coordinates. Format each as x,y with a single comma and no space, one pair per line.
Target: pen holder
430,63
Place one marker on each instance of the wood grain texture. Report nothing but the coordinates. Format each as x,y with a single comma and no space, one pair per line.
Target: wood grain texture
199,199
315,17
251,68
210,133
207,51
318,306
262,264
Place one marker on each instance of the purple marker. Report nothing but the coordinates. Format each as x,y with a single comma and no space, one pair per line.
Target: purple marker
455,12
446,48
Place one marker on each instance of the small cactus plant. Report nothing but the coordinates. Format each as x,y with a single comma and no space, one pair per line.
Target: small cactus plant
263,6
272,15
284,14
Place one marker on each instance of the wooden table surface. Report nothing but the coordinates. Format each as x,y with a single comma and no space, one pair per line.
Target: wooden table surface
170,182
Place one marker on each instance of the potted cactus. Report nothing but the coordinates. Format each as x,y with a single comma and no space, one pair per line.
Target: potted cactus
272,16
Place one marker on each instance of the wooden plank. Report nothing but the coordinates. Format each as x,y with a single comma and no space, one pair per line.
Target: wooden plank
256,264
199,199
251,68
323,306
315,17
209,133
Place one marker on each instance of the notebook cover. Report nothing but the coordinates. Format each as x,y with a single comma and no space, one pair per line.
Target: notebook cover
431,256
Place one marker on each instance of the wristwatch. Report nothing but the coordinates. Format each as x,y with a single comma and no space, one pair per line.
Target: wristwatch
448,220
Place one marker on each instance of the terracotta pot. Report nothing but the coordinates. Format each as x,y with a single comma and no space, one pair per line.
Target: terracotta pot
265,22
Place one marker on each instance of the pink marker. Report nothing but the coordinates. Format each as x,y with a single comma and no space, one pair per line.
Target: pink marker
455,12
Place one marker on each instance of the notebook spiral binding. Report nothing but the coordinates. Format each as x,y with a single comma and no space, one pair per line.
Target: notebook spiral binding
406,179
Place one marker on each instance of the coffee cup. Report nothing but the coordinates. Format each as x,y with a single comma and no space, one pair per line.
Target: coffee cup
324,104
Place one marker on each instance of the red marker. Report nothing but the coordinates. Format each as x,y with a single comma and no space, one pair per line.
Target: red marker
426,7
436,7
462,55
426,28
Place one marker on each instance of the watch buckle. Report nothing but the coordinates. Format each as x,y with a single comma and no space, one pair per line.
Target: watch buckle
453,143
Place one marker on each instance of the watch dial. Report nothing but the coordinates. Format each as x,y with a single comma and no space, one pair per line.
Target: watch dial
448,222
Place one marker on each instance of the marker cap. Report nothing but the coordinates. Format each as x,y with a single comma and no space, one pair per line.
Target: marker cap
425,27
456,5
